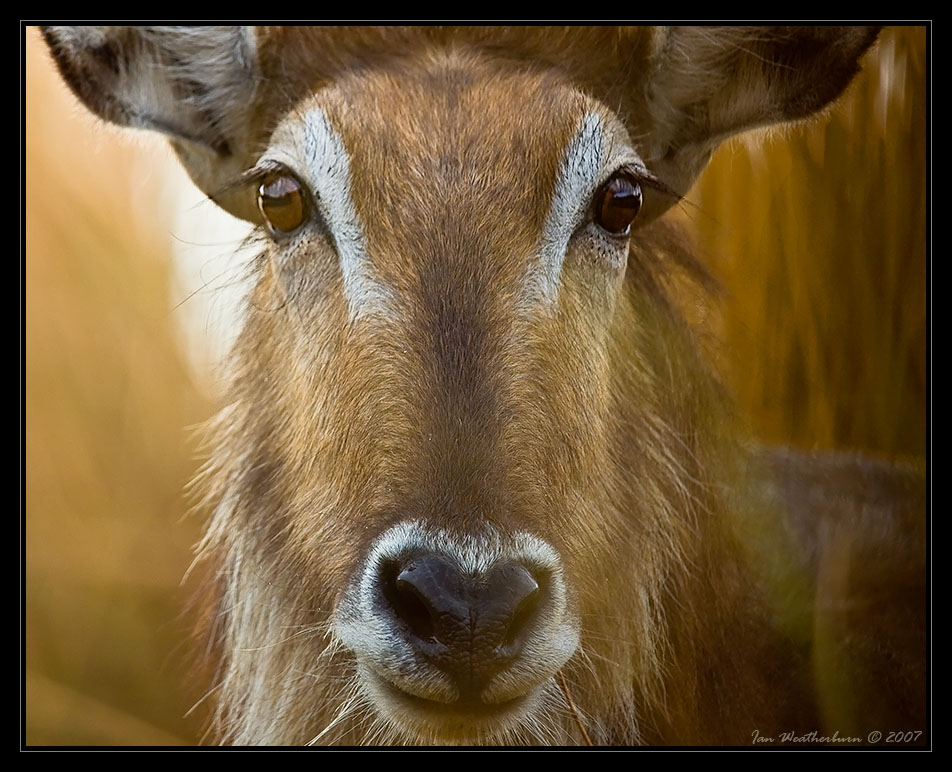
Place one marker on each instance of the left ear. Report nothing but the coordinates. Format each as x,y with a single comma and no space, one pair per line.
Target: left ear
194,84
705,84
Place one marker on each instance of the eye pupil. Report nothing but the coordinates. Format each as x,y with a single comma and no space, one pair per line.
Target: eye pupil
282,204
617,204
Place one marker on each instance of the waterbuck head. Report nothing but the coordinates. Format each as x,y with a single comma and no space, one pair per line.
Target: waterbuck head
469,454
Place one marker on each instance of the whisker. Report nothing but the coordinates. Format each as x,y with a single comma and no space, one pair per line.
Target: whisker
341,715
568,698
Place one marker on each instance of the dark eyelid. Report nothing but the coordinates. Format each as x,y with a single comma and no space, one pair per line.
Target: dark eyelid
252,176
649,180
639,174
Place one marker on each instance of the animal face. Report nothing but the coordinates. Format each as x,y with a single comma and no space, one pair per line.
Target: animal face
444,426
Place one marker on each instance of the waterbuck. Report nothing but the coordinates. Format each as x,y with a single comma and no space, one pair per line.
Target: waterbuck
474,482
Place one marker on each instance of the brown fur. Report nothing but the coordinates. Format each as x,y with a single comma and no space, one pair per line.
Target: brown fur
712,601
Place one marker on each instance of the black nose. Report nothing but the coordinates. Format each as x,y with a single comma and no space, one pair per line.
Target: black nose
468,625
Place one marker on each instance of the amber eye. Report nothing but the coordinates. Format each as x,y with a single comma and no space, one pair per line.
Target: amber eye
282,203
617,203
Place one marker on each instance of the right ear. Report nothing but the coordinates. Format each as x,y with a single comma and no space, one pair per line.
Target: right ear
195,84
703,85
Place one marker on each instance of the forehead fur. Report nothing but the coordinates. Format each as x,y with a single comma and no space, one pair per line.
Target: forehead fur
433,178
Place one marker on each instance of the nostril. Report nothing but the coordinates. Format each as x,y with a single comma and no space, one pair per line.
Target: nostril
426,596
521,595
412,607
521,619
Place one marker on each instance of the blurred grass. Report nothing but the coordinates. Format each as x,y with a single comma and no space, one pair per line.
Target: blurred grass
818,235
108,399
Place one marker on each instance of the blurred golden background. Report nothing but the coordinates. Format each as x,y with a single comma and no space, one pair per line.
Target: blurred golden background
818,235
